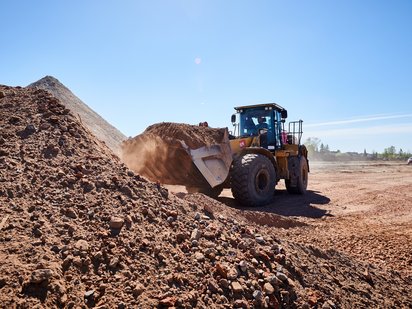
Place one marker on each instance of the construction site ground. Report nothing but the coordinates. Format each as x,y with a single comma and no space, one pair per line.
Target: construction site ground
363,209
80,229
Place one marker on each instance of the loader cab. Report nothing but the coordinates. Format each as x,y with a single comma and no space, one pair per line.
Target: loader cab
263,120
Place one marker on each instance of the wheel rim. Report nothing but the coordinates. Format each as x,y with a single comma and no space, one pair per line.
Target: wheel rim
262,180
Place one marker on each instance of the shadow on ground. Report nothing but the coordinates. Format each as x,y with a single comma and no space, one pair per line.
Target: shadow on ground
286,204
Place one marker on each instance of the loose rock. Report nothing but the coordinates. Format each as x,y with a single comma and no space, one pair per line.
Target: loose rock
116,222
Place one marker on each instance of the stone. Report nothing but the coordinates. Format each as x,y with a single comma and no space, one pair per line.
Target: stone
195,234
128,219
280,258
44,126
82,245
67,262
54,119
71,213
268,289
197,216
199,257
221,270
168,301
273,280
77,261
213,286
232,274
40,275
236,287
258,295
367,275
328,305
121,305
241,303
138,289
170,219
180,237
259,239
2,94
87,186
116,222
255,262
224,283
162,257
281,276
173,213
243,266
130,173
89,294
30,129
114,262
37,232
285,296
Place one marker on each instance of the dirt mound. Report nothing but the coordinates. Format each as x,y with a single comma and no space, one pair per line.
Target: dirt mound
193,136
93,121
79,229
160,153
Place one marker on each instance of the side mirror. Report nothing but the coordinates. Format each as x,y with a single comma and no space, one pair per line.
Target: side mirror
233,119
284,114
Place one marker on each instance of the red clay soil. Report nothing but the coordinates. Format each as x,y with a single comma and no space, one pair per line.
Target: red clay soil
78,229
194,136
159,155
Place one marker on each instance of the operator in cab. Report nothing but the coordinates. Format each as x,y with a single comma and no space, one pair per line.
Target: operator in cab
262,124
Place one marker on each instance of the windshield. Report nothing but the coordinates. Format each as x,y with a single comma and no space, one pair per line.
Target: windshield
253,120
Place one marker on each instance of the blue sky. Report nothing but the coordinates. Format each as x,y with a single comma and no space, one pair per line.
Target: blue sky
344,67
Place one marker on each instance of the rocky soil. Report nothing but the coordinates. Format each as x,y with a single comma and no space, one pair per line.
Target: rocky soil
78,229
103,130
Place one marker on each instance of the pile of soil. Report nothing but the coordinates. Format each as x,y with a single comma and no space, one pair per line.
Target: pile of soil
102,129
79,229
193,136
161,154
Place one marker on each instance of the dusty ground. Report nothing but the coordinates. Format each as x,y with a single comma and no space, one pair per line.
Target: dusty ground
361,208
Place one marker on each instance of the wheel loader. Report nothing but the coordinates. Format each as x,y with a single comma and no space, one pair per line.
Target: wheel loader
255,156
251,159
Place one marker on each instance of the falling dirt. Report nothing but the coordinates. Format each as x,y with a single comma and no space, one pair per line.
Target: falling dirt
161,154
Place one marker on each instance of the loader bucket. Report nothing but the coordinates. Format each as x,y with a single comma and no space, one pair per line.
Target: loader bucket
180,154
214,161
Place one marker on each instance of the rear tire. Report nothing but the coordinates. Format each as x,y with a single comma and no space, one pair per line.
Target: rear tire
253,179
298,168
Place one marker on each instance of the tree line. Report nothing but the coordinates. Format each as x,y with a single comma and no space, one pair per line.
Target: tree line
319,151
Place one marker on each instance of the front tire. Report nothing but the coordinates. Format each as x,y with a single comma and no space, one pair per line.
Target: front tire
253,179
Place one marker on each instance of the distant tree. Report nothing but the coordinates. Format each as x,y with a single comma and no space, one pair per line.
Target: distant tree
312,144
389,153
365,154
327,148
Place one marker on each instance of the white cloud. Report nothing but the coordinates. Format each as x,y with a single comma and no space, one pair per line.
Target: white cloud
358,120
364,131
